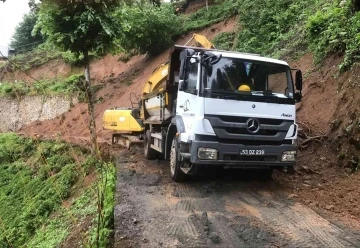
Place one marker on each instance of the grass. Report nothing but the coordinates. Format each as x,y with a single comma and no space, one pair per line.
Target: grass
36,177
204,18
70,86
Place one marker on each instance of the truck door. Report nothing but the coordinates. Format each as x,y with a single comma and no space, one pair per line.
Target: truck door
188,102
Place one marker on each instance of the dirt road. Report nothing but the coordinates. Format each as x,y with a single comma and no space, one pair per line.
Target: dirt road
229,209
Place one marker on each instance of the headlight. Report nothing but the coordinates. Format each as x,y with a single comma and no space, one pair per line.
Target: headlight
207,153
288,156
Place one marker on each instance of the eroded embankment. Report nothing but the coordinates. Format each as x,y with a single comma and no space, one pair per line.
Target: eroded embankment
15,113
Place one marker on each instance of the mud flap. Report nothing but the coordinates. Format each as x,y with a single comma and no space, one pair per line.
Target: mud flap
188,168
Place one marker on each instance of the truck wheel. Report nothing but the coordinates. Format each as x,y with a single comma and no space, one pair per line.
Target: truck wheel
266,174
150,154
177,174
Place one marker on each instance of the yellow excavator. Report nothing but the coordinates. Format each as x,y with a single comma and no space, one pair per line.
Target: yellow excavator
128,123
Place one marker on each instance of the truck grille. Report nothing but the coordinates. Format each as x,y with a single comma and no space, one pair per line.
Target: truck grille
233,127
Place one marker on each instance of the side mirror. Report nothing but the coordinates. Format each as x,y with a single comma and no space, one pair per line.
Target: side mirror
298,80
298,96
184,61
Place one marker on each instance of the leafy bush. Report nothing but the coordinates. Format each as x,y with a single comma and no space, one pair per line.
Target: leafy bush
335,29
148,29
204,18
224,41
264,24
35,177
68,86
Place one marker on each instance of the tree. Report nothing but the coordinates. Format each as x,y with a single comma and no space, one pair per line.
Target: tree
148,29
81,27
23,40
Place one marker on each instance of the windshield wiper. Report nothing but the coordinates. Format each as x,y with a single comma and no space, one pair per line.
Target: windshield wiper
264,92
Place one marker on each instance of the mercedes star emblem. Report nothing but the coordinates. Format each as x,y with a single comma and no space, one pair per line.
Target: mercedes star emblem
253,125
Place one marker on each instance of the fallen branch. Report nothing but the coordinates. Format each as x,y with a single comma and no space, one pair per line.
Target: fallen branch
316,138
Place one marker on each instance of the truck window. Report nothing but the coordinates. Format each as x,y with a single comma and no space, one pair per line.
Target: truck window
277,82
192,77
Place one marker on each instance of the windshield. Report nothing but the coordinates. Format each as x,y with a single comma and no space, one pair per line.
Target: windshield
232,76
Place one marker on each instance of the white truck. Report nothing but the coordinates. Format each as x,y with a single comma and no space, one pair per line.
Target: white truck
220,108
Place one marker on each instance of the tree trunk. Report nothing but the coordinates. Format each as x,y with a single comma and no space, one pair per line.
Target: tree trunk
91,106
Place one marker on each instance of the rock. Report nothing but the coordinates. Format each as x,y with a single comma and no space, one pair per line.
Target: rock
335,124
329,207
175,194
292,196
307,177
355,142
214,237
135,221
204,219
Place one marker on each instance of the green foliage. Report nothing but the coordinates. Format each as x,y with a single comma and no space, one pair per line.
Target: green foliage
68,86
224,41
35,178
335,28
32,59
28,194
23,40
79,26
106,202
147,28
204,18
56,229
264,24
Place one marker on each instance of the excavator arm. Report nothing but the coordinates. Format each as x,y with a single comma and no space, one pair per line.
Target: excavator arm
158,77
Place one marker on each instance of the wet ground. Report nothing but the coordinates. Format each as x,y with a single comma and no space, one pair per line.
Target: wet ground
222,209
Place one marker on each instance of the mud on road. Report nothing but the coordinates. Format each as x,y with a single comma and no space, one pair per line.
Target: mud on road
229,209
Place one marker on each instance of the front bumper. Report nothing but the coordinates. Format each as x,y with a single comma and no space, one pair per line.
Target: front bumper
229,155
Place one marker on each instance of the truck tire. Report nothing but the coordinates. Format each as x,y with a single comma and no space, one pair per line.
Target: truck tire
149,153
177,175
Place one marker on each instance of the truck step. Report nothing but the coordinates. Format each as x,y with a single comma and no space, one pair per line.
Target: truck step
156,135
185,155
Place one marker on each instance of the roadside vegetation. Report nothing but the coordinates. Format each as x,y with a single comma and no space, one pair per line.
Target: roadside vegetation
46,192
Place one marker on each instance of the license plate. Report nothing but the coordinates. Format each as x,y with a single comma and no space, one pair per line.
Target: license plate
249,152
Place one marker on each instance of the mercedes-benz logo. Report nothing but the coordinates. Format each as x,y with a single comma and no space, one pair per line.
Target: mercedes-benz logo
253,125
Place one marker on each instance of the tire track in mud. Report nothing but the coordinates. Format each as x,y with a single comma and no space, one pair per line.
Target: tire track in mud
216,213
221,229
299,225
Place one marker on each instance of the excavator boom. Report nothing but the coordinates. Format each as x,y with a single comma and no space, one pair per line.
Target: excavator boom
158,77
